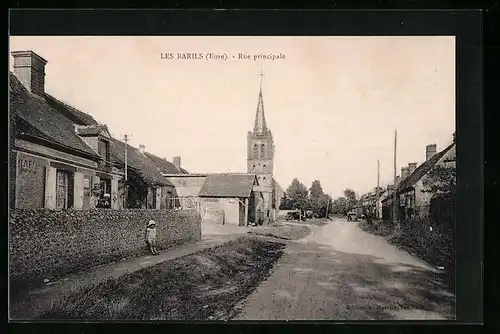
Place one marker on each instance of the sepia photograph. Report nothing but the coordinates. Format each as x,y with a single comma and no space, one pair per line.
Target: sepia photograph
232,178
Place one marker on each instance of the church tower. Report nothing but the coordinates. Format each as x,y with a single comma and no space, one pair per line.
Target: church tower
260,155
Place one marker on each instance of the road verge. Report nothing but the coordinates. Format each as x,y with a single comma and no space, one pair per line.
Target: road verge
207,285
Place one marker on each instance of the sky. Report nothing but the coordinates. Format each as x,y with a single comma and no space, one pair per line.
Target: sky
332,103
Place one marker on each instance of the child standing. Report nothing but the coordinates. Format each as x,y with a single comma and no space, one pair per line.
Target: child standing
151,237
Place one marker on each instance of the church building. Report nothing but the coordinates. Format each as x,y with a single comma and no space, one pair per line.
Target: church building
260,161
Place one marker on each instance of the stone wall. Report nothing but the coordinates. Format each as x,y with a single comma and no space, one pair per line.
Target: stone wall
48,243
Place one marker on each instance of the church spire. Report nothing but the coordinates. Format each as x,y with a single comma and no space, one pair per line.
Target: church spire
260,120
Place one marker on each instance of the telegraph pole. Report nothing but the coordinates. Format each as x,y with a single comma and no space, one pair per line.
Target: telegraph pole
125,138
378,175
327,205
125,198
395,148
395,203
378,187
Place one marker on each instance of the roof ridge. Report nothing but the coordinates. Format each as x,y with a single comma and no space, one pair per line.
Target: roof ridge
423,169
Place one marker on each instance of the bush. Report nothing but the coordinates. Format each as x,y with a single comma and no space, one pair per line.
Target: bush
435,246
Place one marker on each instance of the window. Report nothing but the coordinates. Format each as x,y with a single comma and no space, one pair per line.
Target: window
168,200
64,189
264,168
104,151
264,178
253,167
262,151
255,151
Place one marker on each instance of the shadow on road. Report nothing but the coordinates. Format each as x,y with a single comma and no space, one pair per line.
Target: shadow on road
315,281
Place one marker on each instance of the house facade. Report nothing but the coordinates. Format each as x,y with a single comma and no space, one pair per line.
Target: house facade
414,197
62,158
146,187
59,156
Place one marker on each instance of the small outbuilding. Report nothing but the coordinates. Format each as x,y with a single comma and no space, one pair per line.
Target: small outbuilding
231,199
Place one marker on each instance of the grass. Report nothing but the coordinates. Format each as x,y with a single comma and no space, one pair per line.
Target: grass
203,286
282,231
434,247
377,227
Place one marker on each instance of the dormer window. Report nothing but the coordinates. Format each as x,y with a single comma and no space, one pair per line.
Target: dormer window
97,138
104,151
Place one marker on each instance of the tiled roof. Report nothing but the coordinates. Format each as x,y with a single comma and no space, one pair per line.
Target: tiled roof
451,155
70,112
227,185
90,130
166,167
423,169
138,161
39,119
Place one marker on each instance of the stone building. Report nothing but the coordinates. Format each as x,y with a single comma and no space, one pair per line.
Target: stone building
59,156
62,158
413,195
146,186
260,161
231,199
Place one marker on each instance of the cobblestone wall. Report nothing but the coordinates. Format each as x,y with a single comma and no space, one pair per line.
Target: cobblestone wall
48,243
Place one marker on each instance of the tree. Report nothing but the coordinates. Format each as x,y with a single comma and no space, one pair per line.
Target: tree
441,179
297,193
340,205
286,203
326,205
350,195
316,190
317,200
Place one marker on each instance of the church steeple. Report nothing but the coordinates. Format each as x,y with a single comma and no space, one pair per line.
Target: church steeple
260,119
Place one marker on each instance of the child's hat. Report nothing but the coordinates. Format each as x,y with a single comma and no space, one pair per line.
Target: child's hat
151,222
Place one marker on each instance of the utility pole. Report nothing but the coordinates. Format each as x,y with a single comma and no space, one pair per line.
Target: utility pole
378,187
378,175
327,205
125,138
125,198
395,202
395,148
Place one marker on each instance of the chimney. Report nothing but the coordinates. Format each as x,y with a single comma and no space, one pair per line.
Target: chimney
412,166
142,148
430,150
405,171
177,162
29,68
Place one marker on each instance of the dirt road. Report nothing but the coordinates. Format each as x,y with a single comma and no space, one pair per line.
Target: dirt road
339,272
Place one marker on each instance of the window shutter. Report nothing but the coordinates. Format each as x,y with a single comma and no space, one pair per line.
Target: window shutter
78,191
158,197
50,187
114,194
